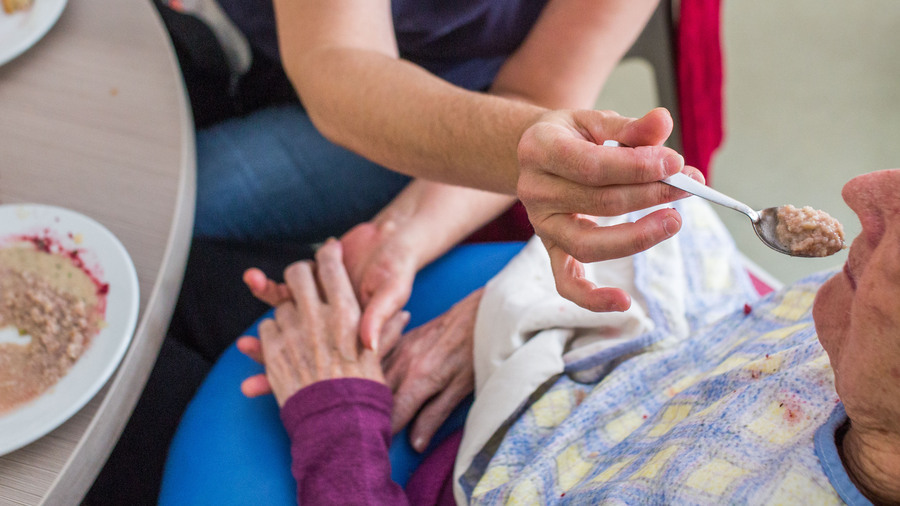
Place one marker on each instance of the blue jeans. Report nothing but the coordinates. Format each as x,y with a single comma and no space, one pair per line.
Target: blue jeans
270,175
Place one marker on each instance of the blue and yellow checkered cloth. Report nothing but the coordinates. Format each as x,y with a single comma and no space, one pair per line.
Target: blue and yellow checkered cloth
725,417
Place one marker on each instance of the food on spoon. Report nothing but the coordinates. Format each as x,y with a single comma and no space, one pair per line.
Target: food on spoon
11,6
48,296
809,232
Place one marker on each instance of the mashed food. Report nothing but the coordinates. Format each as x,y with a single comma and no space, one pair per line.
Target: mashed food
57,309
809,232
11,6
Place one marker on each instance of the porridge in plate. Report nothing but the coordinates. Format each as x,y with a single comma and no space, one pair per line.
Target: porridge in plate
55,305
809,232
11,6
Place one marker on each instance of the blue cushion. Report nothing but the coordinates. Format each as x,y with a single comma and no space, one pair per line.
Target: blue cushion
233,450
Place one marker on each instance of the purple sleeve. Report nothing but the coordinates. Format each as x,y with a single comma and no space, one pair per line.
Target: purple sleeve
340,432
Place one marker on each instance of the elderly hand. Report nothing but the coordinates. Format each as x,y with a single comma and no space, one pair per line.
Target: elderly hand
566,176
381,257
381,270
431,370
381,264
314,335
258,384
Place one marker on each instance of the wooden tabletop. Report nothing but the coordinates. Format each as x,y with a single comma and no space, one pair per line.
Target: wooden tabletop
94,118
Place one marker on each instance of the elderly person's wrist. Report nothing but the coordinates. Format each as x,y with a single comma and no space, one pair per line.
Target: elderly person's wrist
872,460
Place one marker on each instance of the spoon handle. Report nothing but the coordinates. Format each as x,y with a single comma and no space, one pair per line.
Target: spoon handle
683,182
687,184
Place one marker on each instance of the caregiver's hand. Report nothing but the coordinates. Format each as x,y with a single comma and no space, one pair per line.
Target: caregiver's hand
382,265
566,177
430,370
422,223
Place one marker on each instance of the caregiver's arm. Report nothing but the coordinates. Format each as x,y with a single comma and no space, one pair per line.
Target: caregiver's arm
425,220
574,47
342,59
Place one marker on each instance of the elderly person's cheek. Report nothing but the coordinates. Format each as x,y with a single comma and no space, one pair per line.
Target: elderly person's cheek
867,374
831,314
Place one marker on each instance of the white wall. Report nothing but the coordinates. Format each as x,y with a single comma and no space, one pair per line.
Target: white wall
812,98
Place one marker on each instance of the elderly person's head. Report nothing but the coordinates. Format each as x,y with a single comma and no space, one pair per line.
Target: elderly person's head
857,316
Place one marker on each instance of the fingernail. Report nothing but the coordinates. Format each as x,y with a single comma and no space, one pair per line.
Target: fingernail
626,304
670,225
419,444
697,176
673,164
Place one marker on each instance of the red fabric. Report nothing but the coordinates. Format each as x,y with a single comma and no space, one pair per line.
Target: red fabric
513,225
762,288
700,76
432,482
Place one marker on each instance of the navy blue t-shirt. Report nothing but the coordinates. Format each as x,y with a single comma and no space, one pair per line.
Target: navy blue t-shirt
464,42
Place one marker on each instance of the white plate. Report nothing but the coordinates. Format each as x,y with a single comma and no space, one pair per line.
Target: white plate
106,260
21,30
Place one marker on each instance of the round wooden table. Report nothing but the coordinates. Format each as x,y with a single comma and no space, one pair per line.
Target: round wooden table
94,117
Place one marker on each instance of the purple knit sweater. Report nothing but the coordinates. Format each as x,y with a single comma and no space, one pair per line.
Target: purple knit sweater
340,432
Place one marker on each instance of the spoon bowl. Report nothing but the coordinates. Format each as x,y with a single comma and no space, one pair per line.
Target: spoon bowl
766,227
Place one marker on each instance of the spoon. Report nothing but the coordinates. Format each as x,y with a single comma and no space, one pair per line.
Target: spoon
764,221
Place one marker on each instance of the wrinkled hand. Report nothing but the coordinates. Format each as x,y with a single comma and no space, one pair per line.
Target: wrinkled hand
382,269
313,337
431,370
314,333
566,177
273,294
257,385
267,290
